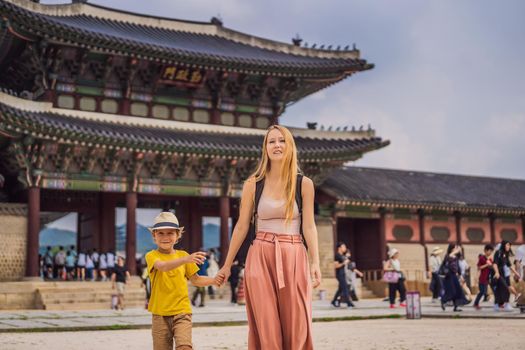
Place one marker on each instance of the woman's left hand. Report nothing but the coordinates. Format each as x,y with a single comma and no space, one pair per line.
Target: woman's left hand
315,273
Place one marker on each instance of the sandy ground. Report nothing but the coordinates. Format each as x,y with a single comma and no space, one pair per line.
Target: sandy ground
427,334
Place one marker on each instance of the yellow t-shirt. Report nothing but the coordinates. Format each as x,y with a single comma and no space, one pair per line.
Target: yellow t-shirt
169,290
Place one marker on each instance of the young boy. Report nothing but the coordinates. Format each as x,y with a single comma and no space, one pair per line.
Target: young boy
484,266
168,270
119,278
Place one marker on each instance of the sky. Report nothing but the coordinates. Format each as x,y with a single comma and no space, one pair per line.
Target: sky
448,85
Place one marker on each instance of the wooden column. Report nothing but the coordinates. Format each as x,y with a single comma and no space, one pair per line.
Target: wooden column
196,224
224,203
523,229
131,231
422,240
492,219
33,230
125,106
106,222
457,216
382,234
215,116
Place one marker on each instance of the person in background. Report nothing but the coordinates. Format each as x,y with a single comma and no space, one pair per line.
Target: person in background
342,290
73,251
452,287
81,266
351,273
200,291
103,267
119,278
213,268
60,263
110,260
393,264
90,266
484,267
234,280
433,272
95,258
503,270
70,266
48,263
464,276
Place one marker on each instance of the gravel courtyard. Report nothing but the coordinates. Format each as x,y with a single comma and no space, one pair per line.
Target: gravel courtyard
381,334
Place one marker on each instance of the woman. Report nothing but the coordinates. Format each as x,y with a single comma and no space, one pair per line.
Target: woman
434,264
277,284
501,279
393,264
451,285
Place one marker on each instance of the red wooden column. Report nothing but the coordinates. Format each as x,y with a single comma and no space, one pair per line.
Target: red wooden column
131,231
492,219
457,216
196,224
422,241
106,215
523,229
382,234
224,203
33,230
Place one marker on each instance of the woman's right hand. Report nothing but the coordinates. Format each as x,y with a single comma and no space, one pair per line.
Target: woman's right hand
223,275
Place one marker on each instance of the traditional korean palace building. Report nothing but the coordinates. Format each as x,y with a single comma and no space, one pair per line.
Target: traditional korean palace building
101,108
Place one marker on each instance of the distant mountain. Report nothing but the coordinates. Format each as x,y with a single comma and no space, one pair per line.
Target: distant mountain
211,236
56,237
144,240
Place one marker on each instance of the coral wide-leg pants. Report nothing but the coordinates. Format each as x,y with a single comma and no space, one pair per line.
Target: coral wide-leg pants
278,294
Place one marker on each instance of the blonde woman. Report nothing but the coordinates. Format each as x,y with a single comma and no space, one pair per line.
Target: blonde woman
278,278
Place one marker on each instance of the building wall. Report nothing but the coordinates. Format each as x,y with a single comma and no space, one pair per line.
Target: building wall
480,223
391,222
448,222
502,224
13,235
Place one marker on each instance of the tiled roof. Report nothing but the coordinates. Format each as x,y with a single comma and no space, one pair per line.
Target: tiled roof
398,187
64,128
222,48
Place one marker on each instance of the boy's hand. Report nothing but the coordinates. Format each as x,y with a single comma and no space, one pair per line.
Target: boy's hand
197,258
223,275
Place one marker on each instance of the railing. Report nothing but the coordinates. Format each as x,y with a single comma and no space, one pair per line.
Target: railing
415,280
410,275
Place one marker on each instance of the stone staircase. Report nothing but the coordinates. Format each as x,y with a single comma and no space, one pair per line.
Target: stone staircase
87,295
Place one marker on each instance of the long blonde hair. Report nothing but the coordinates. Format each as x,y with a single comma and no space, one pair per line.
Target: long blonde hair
289,169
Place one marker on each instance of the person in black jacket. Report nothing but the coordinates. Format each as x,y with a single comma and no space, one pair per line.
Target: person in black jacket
503,270
451,285
234,280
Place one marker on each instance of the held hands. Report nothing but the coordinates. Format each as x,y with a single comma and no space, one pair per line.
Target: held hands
197,258
315,273
223,275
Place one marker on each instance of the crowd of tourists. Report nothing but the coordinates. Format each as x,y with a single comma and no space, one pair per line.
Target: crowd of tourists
450,277
73,265
499,272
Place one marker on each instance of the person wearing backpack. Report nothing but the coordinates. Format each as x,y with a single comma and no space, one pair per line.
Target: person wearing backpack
283,258
48,263
60,263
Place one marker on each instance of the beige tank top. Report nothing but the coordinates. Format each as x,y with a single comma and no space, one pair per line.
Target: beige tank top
271,217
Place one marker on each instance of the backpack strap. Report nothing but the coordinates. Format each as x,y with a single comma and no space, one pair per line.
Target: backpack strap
259,187
299,200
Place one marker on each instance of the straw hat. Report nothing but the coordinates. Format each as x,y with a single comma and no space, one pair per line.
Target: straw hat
392,252
437,250
165,220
